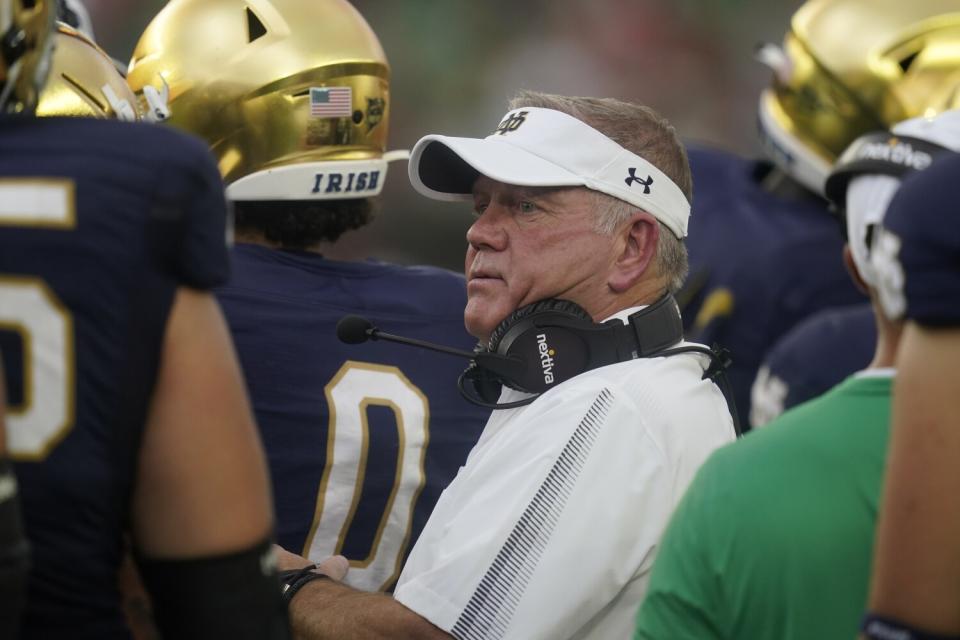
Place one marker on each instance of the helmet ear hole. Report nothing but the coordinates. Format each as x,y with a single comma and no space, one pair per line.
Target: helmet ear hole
907,61
255,28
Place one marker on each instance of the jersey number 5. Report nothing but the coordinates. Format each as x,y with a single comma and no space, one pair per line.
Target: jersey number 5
30,309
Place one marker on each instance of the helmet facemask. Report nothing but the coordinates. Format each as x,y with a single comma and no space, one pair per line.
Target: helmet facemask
26,47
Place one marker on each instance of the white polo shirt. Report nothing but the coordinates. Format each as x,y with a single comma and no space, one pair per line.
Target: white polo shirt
550,529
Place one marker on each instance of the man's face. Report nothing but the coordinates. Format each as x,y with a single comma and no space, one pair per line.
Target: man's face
528,244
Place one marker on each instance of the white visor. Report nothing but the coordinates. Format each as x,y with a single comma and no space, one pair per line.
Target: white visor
536,147
869,194
867,199
942,129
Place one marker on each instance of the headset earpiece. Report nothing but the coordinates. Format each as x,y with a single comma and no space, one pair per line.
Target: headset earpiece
549,336
553,305
545,343
554,340
519,336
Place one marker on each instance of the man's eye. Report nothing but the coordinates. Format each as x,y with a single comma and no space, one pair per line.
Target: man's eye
527,207
479,208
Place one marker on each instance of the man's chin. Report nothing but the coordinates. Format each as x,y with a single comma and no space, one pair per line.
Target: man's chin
481,333
478,321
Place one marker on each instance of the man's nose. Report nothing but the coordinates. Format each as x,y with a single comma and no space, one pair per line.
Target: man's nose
487,231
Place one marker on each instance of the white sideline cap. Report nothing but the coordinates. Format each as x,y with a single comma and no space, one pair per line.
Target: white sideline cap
534,147
869,194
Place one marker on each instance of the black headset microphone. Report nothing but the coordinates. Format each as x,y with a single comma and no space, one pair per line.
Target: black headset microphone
356,330
545,343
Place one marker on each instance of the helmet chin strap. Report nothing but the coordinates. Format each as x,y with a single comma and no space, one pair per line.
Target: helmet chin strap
158,107
121,107
773,56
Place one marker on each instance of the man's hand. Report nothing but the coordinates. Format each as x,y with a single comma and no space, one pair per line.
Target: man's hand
324,610
335,566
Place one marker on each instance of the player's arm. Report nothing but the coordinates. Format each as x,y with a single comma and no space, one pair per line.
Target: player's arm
201,506
327,609
917,557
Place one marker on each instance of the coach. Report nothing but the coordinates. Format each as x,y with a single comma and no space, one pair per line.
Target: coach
550,528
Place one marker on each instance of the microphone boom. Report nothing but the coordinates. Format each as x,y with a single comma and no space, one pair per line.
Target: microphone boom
356,330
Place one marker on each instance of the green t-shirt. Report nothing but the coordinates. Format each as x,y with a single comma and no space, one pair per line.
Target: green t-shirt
774,538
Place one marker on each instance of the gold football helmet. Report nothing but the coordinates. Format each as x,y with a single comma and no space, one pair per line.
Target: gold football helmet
84,81
852,66
292,96
25,49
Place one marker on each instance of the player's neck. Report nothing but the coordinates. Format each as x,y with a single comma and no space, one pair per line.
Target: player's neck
888,340
645,292
257,237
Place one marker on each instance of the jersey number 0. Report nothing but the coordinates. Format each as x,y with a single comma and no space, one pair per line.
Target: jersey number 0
348,397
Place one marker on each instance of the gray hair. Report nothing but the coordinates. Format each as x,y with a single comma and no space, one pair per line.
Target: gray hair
646,133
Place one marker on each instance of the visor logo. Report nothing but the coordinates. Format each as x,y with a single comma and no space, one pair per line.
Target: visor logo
512,122
546,358
630,179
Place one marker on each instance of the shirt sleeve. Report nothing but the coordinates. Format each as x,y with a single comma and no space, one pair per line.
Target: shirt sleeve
548,529
685,595
190,215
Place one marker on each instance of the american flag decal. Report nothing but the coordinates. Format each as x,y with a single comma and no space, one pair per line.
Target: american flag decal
330,102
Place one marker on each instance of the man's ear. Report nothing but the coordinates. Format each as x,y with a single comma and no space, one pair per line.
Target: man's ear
637,242
853,271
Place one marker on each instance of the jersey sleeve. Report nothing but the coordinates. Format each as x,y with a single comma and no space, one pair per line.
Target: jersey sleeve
539,535
744,321
191,206
685,586
917,252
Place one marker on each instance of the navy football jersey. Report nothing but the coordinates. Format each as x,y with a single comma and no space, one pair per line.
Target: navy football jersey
759,262
812,358
917,251
361,439
100,222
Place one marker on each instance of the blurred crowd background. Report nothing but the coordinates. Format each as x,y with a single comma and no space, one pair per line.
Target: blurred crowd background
456,62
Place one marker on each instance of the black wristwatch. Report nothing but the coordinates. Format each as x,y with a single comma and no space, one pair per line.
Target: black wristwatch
292,581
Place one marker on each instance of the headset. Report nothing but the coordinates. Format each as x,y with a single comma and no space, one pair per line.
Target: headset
543,344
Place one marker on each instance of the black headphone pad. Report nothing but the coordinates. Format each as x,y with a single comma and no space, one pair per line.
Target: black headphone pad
551,337
567,307
546,343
